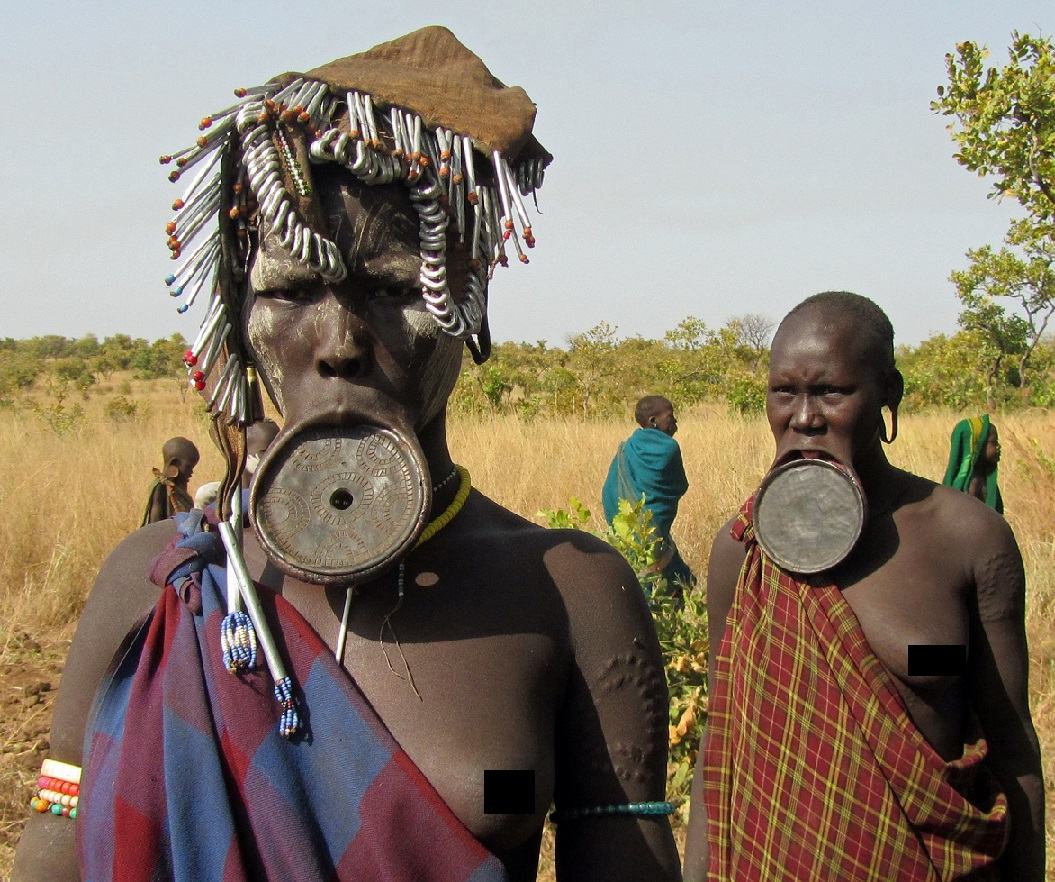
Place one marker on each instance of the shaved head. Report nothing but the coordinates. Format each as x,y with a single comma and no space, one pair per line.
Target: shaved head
873,332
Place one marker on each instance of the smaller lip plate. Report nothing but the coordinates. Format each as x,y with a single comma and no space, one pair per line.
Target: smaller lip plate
808,515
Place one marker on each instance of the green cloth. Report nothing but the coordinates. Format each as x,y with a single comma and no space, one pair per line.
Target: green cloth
966,446
649,463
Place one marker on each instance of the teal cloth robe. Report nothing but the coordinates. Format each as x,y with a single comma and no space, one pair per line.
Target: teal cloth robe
648,462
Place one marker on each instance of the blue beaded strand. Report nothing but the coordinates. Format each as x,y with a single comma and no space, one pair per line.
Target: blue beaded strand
636,809
289,724
238,642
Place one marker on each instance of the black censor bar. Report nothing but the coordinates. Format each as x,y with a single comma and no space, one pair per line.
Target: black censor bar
509,791
937,660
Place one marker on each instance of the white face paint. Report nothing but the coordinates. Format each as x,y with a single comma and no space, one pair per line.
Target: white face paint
261,330
419,321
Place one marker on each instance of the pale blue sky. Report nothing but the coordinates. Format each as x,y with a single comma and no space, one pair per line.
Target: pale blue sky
711,158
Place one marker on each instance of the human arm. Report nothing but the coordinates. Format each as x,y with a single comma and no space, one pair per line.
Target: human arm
723,571
612,726
120,598
999,671
157,505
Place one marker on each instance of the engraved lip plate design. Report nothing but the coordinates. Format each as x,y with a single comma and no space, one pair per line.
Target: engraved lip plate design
808,515
341,503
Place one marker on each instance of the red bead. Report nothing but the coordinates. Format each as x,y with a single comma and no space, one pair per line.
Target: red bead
182,161
174,176
198,376
165,159
189,358
206,121
199,385
178,204
241,92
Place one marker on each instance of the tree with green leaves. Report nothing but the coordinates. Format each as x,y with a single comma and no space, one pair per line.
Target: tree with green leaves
1003,122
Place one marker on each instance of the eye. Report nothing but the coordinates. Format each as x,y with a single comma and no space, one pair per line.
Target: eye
290,295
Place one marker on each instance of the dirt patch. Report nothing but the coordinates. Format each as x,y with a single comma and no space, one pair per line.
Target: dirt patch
30,667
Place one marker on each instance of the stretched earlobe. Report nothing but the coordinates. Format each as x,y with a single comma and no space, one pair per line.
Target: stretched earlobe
889,439
172,470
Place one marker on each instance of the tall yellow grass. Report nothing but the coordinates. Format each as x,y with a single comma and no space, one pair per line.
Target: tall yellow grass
65,501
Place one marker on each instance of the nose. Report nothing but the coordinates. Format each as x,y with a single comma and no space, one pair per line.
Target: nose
344,348
806,416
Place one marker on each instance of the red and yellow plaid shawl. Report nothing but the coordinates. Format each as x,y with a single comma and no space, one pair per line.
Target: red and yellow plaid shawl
812,768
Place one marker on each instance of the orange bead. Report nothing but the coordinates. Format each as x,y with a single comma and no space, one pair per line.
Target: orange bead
234,213
304,117
445,155
524,258
241,92
182,161
458,179
170,227
178,204
237,188
165,159
206,121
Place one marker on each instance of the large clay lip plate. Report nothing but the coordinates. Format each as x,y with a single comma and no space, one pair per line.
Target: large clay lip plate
333,546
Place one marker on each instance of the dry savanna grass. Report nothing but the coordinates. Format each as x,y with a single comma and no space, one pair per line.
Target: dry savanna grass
67,500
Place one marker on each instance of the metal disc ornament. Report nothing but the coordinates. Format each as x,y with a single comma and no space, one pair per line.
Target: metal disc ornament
808,515
337,505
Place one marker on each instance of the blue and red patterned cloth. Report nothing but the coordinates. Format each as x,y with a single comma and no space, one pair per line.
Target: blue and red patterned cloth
187,778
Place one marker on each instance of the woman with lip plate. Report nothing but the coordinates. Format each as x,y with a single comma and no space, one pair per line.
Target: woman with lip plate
871,721
382,674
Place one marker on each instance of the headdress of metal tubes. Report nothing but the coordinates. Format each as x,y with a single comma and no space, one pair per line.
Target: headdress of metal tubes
242,164
437,165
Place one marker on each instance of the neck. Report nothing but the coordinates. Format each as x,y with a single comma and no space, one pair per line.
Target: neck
433,441
878,477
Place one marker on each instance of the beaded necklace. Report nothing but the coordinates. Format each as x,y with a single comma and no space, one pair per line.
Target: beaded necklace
431,529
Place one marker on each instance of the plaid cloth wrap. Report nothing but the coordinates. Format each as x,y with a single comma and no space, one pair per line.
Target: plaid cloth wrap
812,768
187,778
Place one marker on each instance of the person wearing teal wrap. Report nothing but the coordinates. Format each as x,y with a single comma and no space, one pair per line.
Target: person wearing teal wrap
649,464
973,456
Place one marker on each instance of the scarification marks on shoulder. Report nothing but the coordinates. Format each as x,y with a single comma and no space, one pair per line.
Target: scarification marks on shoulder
1001,587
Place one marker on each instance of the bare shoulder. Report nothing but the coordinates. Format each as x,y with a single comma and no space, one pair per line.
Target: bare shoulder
576,562
723,571
964,527
121,596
